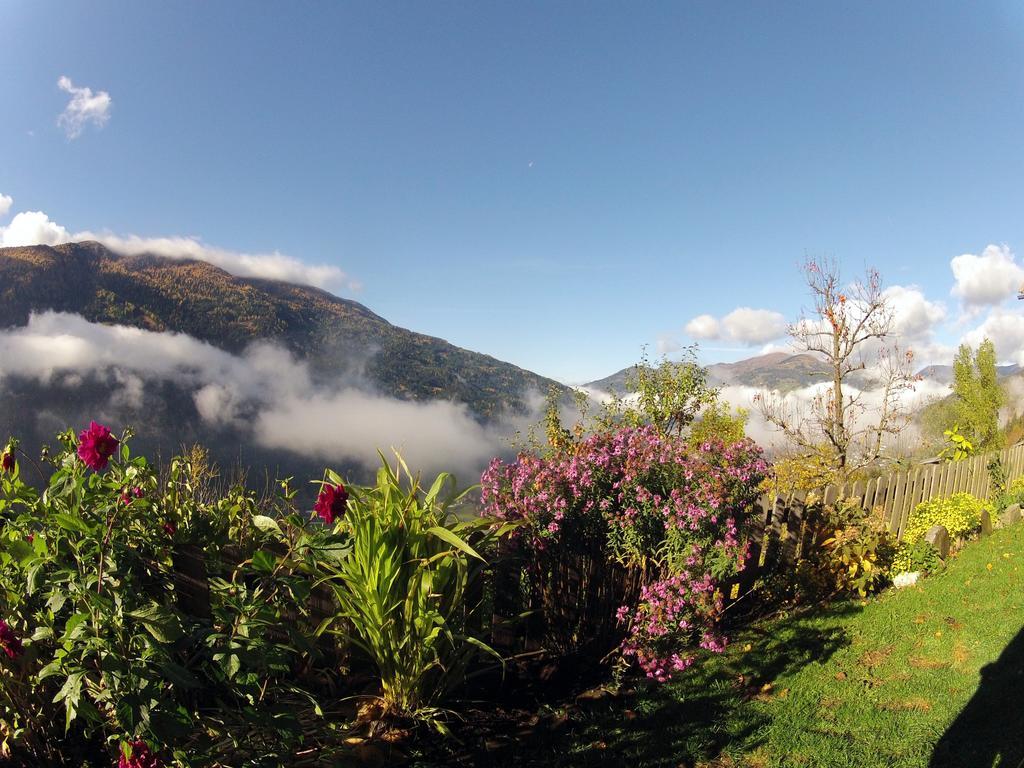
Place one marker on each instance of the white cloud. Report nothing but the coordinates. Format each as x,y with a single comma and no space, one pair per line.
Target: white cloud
988,279
666,345
703,327
743,325
36,228
85,107
914,316
754,326
5,204
265,391
1006,329
32,228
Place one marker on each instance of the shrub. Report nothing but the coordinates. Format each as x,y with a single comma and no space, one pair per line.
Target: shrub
1009,495
861,549
108,661
919,556
959,514
633,506
847,550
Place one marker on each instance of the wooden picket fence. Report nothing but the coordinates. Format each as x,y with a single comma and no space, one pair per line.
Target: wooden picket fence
781,530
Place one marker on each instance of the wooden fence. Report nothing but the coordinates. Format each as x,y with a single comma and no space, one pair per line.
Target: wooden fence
780,529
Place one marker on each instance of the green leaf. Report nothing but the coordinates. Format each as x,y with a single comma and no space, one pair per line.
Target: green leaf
50,670
264,561
72,523
163,625
20,550
32,578
72,624
445,535
70,693
267,525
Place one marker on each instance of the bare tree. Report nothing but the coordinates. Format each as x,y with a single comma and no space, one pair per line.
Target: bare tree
851,328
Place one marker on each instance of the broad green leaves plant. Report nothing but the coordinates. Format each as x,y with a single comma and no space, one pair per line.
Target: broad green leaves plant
404,584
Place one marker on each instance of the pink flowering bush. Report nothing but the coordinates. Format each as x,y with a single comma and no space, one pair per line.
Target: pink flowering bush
665,518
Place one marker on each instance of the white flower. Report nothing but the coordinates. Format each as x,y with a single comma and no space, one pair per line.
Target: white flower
906,579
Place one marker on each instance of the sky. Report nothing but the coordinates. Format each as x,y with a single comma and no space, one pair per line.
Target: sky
554,184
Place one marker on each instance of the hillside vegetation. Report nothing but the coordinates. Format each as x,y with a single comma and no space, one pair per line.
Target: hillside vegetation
335,335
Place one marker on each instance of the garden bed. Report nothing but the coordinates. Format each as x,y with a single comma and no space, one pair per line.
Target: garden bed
927,676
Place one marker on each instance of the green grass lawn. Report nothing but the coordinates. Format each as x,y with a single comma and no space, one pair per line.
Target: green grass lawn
932,675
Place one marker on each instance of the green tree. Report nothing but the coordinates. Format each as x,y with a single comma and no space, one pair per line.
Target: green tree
718,421
670,395
978,395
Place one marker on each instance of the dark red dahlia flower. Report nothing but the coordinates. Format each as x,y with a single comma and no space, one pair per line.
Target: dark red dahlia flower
95,446
142,757
10,643
331,502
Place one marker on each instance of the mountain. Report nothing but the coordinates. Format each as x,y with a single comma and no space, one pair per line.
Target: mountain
943,374
785,372
334,335
775,370
337,346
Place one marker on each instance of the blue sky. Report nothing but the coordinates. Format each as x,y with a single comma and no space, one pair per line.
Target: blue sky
553,184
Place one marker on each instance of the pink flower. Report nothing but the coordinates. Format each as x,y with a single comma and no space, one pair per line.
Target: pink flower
10,643
7,461
141,757
331,502
95,446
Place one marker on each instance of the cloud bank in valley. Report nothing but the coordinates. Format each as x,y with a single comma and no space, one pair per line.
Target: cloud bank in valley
264,392
37,228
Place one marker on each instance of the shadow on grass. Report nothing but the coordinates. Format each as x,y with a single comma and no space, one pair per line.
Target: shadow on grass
990,729
707,713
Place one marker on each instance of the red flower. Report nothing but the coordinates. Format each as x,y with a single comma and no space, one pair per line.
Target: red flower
10,643
128,495
141,757
170,529
7,461
95,446
331,502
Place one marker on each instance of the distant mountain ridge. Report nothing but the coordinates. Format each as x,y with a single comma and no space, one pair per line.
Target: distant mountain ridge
782,371
775,370
335,336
